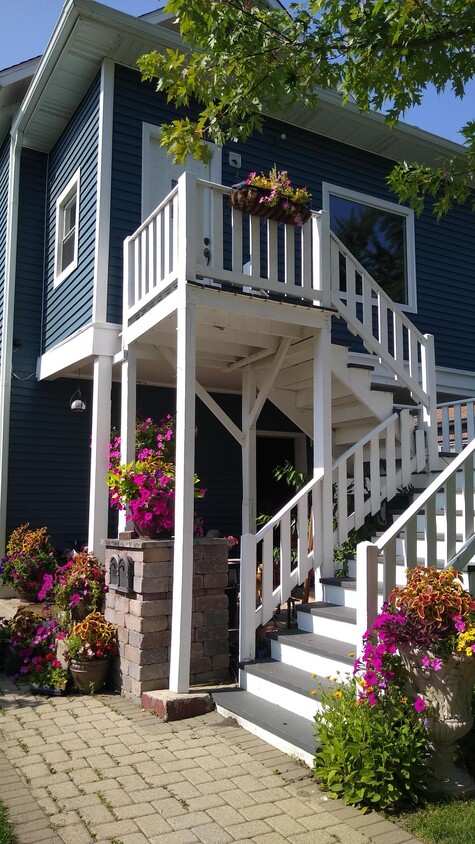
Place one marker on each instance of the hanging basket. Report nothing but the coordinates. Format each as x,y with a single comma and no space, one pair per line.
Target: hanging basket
249,199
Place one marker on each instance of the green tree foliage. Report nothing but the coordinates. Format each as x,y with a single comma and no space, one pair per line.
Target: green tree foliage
245,60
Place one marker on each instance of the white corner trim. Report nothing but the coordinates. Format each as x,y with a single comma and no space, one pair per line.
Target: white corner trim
329,189
104,185
86,343
7,323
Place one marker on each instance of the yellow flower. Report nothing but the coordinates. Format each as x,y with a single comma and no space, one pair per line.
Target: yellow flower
313,676
351,654
313,692
337,694
404,700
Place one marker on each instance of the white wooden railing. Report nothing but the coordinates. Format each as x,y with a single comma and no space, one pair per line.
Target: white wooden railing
195,235
373,470
280,549
280,553
456,424
436,507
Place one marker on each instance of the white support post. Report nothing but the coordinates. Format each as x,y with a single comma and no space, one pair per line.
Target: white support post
429,414
366,589
247,603
128,401
186,240
184,497
321,256
322,441
100,436
249,484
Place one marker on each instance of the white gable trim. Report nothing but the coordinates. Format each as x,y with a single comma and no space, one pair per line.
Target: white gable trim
104,185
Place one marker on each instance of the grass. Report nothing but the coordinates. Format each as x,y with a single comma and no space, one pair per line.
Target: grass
443,823
6,829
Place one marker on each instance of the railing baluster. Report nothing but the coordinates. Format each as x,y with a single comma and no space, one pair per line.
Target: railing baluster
458,427
289,251
255,242
236,228
306,276
285,550
272,250
375,475
267,576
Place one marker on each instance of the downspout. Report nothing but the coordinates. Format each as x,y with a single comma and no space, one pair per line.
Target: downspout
16,145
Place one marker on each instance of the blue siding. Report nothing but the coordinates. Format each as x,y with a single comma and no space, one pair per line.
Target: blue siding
49,458
4,170
445,251
69,306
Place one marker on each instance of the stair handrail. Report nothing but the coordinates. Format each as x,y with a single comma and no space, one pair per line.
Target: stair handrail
396,341
368,553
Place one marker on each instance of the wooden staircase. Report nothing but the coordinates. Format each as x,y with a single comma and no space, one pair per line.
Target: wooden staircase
276,699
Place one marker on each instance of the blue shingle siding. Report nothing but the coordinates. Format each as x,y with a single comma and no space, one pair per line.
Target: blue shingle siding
445,251
68,307
4,171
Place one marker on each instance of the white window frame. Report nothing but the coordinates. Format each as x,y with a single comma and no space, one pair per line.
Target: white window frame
70,191
401,210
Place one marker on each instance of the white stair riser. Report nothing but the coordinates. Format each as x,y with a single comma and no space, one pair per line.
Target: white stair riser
300,704
333,629
339,595
313,663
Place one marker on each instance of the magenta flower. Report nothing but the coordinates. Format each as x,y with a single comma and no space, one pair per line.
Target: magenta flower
419,704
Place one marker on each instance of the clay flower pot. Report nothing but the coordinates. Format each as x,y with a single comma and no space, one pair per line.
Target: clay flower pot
90,676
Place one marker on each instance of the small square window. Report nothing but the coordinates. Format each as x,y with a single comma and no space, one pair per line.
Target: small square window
67,217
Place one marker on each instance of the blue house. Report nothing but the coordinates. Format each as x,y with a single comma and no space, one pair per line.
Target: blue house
129,286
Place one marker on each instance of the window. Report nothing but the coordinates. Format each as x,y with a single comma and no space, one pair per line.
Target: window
67,219
380,235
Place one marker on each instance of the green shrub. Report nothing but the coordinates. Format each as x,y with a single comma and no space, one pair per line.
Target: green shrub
370,755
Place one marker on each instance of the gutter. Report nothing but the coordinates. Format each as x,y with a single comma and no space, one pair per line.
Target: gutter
7,324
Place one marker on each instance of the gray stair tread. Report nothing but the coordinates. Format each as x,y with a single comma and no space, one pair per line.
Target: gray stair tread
315,643
326,610
287,676
280,722
345,582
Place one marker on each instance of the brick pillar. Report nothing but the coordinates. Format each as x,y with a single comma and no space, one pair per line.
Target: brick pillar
141,606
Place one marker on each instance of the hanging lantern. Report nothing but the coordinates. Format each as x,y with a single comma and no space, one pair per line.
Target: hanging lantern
77,403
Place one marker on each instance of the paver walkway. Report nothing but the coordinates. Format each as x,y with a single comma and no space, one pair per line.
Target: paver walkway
99,770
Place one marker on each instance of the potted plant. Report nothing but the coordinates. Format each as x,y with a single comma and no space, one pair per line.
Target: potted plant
88,650
427,631
272,196
29,556
146,487
19,633
77,587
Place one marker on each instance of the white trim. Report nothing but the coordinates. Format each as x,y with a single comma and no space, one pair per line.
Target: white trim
104,184
87,342
329,189
7,324
72,189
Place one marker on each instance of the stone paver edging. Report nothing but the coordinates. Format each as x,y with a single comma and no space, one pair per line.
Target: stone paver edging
99,770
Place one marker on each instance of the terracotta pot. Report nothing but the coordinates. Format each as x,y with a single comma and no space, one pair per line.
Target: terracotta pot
448,692
89,677
25,595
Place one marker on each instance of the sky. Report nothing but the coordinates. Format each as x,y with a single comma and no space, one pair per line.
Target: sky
26,26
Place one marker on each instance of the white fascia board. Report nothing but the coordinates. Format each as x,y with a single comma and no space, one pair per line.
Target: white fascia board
85,344
18,72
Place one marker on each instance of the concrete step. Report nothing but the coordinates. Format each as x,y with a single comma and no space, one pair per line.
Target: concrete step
277,726
286,685
313,653
327,619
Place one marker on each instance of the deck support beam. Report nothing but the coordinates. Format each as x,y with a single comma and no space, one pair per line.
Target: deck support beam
249,483
101,424
184,496
322,447
128,409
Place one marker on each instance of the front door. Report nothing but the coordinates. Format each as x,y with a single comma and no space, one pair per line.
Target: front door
160,175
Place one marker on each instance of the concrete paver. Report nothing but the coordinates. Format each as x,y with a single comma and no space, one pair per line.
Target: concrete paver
82,770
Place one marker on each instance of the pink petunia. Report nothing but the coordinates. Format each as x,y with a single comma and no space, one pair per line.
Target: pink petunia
419,704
